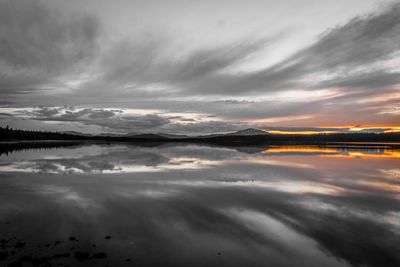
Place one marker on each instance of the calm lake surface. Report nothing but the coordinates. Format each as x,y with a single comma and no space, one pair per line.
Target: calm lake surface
195,205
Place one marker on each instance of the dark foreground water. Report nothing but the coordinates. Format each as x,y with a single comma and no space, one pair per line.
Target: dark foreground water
191,205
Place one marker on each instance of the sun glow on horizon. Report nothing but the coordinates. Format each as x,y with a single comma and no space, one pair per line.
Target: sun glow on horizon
341,129
303,132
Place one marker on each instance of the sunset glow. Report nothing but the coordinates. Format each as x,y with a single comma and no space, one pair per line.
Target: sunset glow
224,133
303,132
200,68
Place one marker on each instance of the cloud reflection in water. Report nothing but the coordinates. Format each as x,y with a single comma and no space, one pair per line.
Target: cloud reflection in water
191,205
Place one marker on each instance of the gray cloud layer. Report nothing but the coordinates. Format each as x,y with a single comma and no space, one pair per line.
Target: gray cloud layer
359,43
117,120
69,59
362,41
109,119
38,45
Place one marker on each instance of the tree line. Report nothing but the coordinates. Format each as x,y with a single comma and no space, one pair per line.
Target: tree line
9,134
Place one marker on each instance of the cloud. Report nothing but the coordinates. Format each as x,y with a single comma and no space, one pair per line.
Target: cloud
359,43
110,119
71,60
363,40
370,80
39,44
122,120
246,203
127,121
197,128
139,66
351,55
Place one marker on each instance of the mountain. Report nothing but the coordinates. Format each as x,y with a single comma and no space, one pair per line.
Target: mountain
243,137
110,135
248,132
77,133
173,136
131,134
148,136
245,132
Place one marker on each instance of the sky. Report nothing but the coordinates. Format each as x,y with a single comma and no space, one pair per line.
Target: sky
197,67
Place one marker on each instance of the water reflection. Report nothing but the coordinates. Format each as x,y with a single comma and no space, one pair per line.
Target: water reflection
128,158
337,151
191,205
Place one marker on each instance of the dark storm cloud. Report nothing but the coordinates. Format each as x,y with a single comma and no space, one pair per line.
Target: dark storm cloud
39,44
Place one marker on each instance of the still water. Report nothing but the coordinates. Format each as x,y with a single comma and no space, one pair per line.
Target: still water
195,205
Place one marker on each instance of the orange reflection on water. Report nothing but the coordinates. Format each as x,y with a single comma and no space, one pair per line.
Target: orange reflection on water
301,149
336,152
383,154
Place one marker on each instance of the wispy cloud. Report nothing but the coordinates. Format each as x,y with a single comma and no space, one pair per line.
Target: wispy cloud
53,57
39,44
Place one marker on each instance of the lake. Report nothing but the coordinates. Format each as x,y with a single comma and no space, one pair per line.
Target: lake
198,205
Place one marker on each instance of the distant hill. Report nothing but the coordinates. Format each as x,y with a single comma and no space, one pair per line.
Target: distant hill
146,136
130,134
249,136
109,135
173,136
248,132
76,133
